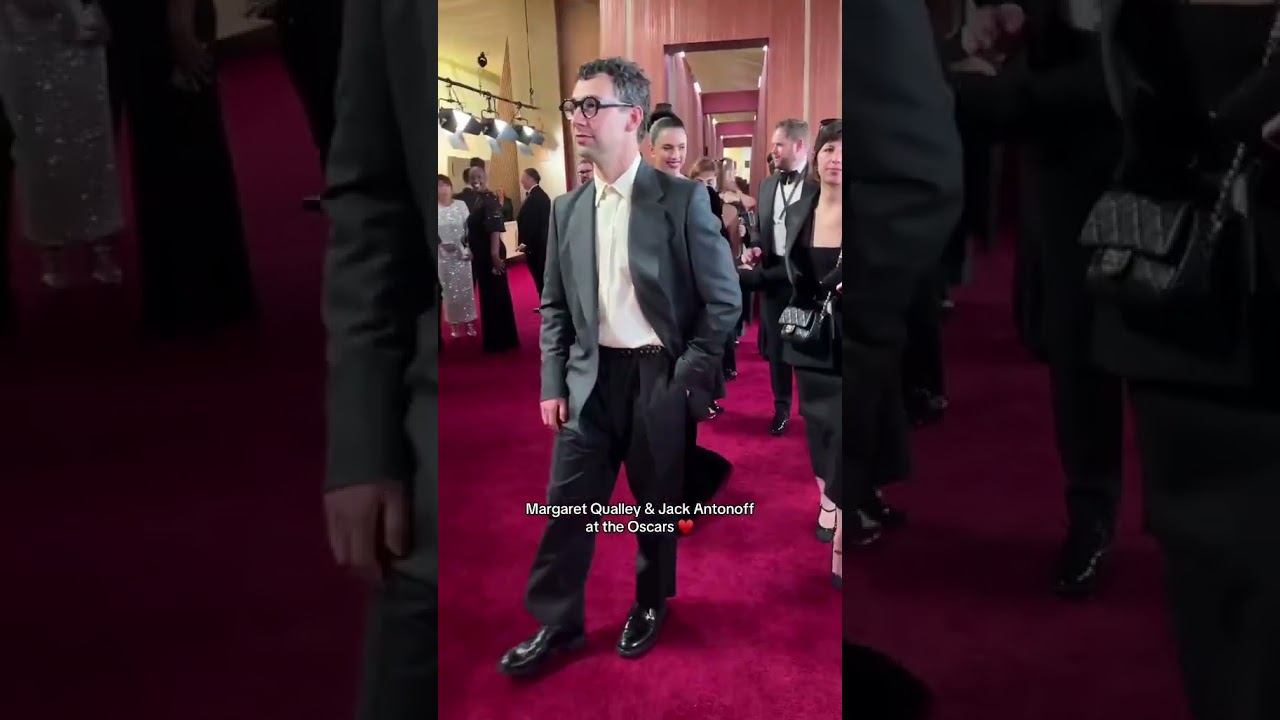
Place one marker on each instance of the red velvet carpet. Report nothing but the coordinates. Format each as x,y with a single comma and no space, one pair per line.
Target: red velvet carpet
164,559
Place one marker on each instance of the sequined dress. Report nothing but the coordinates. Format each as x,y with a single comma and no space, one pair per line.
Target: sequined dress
55,93
455,271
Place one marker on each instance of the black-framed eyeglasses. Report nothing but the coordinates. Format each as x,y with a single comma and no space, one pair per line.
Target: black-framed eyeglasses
590,106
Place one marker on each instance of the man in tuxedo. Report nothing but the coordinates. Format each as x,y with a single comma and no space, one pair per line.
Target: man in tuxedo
778,193
640,295
531,225
1051,95
382,315
902,200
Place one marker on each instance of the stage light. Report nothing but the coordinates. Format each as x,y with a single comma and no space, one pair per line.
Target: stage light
526,135
453,120
765,48
498,129
696,87
759,82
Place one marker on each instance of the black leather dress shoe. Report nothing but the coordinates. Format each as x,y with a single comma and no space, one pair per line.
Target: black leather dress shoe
779,424
1082,560
532,655
883,514
640,633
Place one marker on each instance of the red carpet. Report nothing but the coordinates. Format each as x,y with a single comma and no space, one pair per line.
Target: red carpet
164,557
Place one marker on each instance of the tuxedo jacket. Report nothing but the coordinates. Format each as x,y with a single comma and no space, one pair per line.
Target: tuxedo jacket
532,221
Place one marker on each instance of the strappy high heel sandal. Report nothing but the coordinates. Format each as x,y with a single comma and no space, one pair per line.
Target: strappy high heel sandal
823,533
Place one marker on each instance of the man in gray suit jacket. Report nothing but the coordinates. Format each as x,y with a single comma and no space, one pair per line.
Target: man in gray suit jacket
640,297
382,315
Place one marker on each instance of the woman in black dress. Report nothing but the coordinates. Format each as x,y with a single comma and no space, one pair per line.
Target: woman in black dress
489,265
815,251
193,263
1203,373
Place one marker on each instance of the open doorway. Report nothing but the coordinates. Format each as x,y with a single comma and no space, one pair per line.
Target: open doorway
718,90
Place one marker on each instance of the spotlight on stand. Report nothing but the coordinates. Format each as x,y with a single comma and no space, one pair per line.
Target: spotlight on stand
531,136
525,134
455,121
498,129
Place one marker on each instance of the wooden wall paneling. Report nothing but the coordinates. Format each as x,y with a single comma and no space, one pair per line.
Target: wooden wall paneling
614,28
824,60
649,26
697,137
504,167
684,101
762,145
578,27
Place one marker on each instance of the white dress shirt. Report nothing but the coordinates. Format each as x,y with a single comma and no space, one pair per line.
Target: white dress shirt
782,197
622,323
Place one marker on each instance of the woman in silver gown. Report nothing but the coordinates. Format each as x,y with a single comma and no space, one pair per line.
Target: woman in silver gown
53,78
455,260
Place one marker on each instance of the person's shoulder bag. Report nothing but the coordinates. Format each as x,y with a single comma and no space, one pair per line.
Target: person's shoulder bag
1149,253
811,328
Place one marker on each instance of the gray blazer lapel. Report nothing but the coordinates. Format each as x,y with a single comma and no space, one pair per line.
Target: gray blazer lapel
798,212
648,232
581,234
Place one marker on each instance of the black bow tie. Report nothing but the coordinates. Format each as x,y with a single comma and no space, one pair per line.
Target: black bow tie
790,176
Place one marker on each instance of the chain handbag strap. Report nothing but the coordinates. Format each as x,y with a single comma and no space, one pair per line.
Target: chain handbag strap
1219,217
831,296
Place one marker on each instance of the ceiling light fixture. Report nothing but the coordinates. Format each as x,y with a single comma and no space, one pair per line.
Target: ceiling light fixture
453,118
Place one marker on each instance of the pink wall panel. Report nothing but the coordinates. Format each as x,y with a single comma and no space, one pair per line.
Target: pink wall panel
642,29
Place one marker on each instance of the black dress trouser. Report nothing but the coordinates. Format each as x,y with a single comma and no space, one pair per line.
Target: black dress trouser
633,417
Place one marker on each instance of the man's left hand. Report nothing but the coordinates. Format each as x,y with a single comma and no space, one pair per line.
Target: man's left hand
366,524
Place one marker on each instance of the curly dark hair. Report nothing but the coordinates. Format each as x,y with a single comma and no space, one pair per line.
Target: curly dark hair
630,83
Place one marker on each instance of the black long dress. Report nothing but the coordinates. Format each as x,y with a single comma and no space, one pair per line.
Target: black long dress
193,263
497,314
1203,376
818,381
819,386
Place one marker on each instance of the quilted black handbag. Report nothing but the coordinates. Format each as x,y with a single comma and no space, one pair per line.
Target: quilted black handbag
1149,252
810,327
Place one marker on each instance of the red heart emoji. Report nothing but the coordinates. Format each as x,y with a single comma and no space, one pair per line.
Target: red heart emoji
686,526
